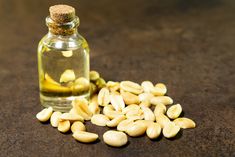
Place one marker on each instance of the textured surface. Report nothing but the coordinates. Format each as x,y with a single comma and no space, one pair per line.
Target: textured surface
187,44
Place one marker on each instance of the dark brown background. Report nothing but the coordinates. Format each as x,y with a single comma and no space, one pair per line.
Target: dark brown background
187,44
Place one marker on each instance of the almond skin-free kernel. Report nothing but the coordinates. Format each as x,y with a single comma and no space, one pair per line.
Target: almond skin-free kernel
115,138
55,118
78,126
64,126
99,119
45,114
85,137
174,111
170,130
185,123
153,130
103,97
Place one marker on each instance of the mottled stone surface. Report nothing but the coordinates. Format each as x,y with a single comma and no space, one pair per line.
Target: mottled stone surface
187,44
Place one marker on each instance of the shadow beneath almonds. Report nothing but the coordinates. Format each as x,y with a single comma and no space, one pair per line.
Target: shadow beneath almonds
182,114
124,146
95,142
66,133
45,123
159,138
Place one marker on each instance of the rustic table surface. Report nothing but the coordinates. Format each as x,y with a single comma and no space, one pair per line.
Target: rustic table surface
187,44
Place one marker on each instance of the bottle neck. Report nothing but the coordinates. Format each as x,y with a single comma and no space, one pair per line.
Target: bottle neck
63,29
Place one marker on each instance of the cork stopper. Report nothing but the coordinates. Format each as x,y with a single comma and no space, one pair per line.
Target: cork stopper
62,13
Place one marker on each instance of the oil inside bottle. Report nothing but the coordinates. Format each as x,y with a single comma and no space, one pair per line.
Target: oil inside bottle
64,76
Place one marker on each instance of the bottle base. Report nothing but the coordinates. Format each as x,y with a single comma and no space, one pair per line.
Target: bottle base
62,104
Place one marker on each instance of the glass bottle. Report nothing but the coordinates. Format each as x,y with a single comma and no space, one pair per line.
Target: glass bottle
63,60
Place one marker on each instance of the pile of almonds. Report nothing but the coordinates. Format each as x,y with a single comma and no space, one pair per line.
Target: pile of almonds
131,108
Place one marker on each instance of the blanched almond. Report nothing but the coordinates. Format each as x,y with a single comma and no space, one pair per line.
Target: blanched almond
137,117
94,108
147,86
130,107
130,98
78,126
145,97
100,83
103,97
71,117
110,112
123,125
67,53
81,107
113,86
94,75
68,75
45,114
55,118
93,105
159,109
108,108
64,126
159,89
162,86
115,138
113,114
145,103
136,129
170,130
166,100
114,122
133,112
147,123
174,111
153,130
148,113
99,119
185,123
163,120
81,84
93,88
131,87
117,102
85,137
114,93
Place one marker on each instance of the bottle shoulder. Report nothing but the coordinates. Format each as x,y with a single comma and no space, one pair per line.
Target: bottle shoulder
59,42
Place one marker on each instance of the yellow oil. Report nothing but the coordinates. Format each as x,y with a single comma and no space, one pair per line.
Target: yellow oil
63,71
